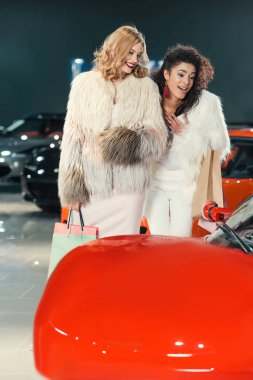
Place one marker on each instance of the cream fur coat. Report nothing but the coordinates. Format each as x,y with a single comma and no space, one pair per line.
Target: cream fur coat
96,158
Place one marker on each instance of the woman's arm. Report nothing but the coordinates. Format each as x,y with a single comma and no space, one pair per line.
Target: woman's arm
71,183
145,142
219,133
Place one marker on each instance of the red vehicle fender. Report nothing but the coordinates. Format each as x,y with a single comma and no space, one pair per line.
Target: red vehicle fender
148,308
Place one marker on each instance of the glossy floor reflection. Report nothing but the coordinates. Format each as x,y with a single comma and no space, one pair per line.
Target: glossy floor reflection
25,241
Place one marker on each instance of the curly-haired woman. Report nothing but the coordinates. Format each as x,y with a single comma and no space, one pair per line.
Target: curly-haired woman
189,173
113,131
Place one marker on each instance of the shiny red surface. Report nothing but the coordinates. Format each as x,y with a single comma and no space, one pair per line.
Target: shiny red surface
243,132
213,213
147,308
236,191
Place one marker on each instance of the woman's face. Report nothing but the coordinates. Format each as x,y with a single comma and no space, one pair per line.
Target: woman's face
180,79
133,58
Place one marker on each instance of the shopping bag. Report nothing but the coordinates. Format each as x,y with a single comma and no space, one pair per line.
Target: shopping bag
67,236
207,225
209,183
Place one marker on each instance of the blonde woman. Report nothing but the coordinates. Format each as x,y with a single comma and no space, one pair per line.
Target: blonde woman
114,130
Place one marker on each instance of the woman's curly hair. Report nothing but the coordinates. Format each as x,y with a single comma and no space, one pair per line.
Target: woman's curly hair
204,73
116,47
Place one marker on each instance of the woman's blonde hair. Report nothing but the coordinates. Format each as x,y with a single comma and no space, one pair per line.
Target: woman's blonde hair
116,47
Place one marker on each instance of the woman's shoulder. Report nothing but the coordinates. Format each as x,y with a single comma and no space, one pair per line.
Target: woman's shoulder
145,82
208,98
150,83
87,76
208,104
86,82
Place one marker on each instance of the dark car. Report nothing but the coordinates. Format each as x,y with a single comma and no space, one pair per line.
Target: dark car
39,178
19,139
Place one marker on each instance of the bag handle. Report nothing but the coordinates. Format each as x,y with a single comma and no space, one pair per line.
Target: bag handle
80,216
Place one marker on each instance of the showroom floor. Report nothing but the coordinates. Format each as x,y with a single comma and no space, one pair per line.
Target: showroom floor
25,239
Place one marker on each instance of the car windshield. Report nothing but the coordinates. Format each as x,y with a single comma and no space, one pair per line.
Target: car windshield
15,125
40,127
241,222
240,162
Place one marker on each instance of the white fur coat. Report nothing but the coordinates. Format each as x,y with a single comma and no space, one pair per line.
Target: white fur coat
205,133
96,158
207,130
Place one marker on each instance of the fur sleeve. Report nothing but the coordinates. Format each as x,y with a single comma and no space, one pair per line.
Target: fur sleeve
146,141
154,134
207,128
120,146
71,183
219,133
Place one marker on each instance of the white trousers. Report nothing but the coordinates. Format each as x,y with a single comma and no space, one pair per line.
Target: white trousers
168,205
119,214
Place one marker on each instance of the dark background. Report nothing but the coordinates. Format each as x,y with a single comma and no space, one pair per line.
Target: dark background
38,38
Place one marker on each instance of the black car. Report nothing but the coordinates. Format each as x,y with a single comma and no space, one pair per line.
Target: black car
18,140
39,178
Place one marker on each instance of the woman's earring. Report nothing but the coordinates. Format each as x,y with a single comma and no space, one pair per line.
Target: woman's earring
166,90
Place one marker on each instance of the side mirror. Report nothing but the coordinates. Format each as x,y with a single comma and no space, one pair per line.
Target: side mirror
3,131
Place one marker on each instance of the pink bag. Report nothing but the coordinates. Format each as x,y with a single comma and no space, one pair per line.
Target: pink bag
66,237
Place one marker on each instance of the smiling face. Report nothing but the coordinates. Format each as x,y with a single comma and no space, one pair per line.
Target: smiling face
180,79
133,58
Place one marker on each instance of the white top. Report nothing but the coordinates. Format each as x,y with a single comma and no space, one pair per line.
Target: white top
114,119
171,160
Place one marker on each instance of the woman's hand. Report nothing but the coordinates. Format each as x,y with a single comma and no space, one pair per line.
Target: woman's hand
174,123
75,206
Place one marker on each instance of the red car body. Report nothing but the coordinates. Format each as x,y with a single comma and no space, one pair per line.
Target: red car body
147,308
